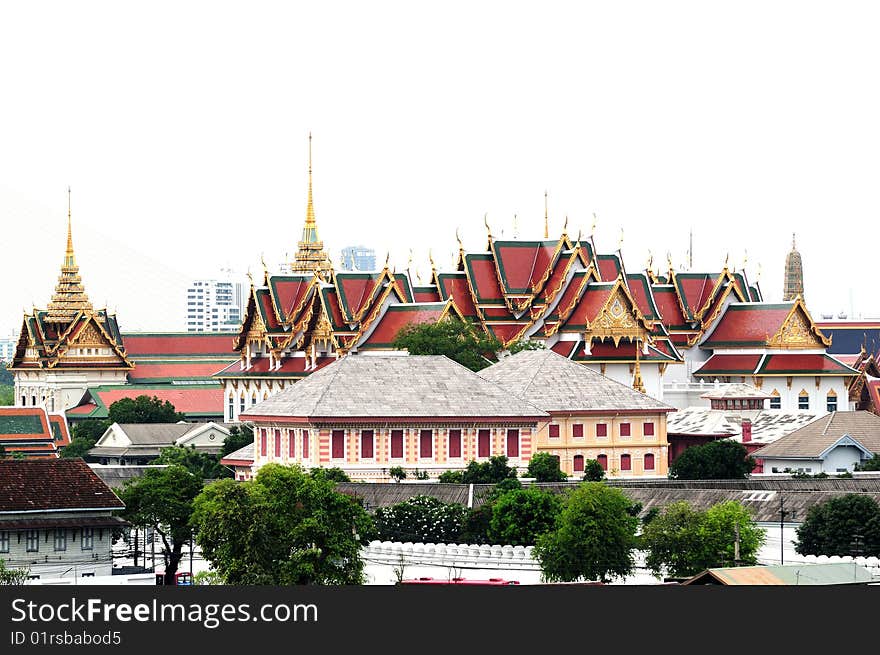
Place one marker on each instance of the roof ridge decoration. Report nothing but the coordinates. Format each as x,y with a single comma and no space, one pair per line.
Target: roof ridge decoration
798,330
725,275
70,295
310,255
95,337
614,321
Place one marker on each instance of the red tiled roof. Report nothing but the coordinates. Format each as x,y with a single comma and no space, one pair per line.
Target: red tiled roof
484,279
396,317
748,324
625,351
505,331
24,423
332,301
176,370
638,288
696,289
729,365
180,343
289,293
267,310
873,387
52,484
457,287
557,278
289,366
426,294
355,292
523,264
88,408
804,364
571,290
207,399
564,348
667,304
609,267
61,423
589,305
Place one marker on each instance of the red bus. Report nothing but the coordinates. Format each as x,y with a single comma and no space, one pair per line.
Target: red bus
491,582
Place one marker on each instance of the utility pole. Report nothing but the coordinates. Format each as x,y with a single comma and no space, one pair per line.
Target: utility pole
782,515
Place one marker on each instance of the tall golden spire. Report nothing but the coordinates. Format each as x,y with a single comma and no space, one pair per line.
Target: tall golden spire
70,296
310,256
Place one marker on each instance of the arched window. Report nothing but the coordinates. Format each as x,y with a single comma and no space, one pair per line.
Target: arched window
578,464
775,400
831,401
241,402
803,399
625,463
603,461
231,405
649,462
34,401
265,395
253,398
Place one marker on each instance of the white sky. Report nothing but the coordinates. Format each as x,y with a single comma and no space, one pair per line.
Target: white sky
182,129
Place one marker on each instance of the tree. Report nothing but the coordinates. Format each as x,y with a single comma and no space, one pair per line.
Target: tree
451,477
12,576
520,516
163,500
239,437
682,541
593,536
525,344
143,409
204,466
398,473
84,434
544,467
7,395
716,460
421,518
872,464
6,377
452,337
285,527
840,526
333,474
492,471
593,471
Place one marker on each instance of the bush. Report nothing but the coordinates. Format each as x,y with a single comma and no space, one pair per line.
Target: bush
421,518
544,467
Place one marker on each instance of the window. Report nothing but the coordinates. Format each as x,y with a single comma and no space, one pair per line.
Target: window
554,430
4,541
366,444
648,429
577,430
263,442
775,400
603,461
87,539
241,403
33,541
578,464
649,462
397,444
60,539
803,400
602,430
426,443
253,398
305,454
513,443
624,429
831,401
337,450
277,444
484,443
454,444
291,444
625,463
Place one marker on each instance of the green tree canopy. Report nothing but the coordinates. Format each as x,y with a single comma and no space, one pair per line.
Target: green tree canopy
143,409
593,471
204,466
872,464
840,526
332,474
457,340
239,437
520,516
84,434
682,541
525,344
593,537
7,379
7,395
285,527
421,518
163,500
12,576
544,467
716,460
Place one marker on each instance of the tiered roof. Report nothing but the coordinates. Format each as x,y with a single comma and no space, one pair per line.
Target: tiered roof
32,431
195,401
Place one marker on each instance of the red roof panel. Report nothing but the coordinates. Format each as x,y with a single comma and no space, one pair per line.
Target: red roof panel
523,264
589,306
289,293
176,370
805,364
355,291
457,287
729,365
609,267
484,279
396,317
52,484
748,324
177,343
426,294
186,399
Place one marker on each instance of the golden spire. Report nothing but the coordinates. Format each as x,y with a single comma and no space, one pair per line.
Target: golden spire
310,256
310,205
546,220
70,296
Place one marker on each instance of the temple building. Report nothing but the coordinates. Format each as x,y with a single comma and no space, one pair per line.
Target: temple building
67,347
794,275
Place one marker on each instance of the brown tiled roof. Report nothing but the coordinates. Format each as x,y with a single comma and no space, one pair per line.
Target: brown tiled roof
32,485
813,439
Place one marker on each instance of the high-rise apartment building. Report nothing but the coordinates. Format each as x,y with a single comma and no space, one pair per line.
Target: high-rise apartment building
358,258
213,306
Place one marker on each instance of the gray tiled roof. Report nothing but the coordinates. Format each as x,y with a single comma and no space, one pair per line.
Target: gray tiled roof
394,386
155,433
555,383
813,439
243,453
768,425
735,390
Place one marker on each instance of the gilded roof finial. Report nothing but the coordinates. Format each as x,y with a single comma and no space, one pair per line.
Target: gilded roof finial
565,225
431,259
650,263
726,260
69,257
546,218
310,231
579,235
669,259
387,258
265,270
486,223
409,261
515,228
593,229
620,241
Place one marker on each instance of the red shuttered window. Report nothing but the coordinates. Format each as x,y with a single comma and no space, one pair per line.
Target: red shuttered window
305,445
577,430
513,443
263,439
554,430
426,443
366,444
624,429
649,462
648,429
578,464
277,444
454,444
337,450
484,443
625,463
397,444
291,444
602,430
603,461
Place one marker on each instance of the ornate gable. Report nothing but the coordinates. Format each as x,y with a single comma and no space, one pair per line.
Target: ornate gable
798,331
619,318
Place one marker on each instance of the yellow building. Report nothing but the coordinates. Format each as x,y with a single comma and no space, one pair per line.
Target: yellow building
592,416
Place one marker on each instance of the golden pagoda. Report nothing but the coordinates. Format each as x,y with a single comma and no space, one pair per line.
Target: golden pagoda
70,296
310,255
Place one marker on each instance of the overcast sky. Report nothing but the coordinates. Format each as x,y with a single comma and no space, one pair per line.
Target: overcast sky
182,129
